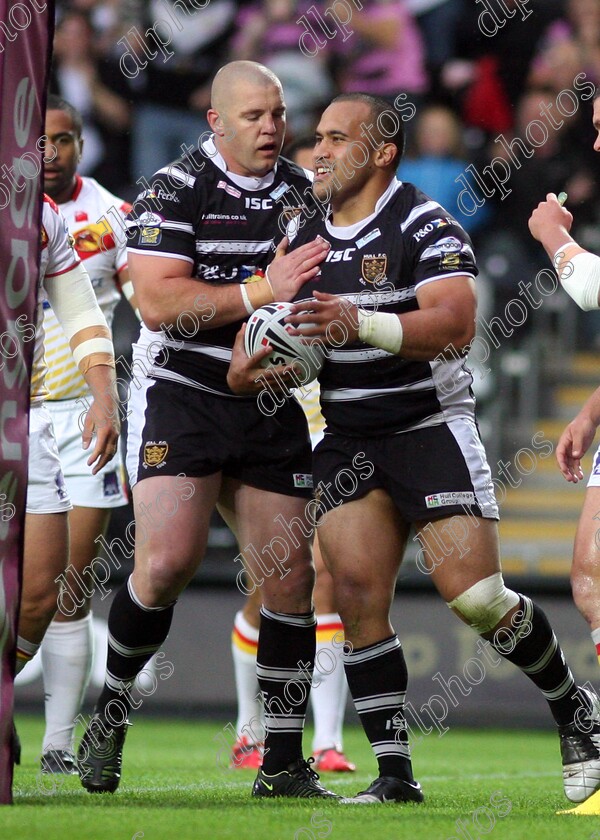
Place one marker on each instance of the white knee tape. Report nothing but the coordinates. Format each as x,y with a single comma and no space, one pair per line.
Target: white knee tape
485,603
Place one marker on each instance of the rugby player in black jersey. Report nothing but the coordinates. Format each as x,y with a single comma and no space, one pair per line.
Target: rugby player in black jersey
396,306
204,228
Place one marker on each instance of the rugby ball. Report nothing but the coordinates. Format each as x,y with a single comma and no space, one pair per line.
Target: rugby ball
266,326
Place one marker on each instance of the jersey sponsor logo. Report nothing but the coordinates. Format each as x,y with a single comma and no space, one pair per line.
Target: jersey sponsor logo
373,268
81,216
434,224
368,238
448,251
229,189
258,203
303,480
215,272
340,256
454,498
219,216
150,236
149,219
155,453
110,484
158,193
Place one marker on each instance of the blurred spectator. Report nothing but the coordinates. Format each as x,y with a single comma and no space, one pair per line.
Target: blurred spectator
268,32
385,56
508,250
570,46
437,158
438,21
173,87
488,74
82,76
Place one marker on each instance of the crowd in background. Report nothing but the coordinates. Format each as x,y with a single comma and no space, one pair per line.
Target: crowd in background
473,71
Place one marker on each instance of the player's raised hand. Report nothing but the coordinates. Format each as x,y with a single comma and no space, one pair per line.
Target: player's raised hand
549,214
247,376
289,272
572,446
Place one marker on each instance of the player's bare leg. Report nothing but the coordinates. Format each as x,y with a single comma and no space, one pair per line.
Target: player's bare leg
280,561
46,551
364,579
68,645
167,553
461,553
585,571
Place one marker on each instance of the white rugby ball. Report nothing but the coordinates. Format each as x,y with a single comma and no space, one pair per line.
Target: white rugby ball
266,326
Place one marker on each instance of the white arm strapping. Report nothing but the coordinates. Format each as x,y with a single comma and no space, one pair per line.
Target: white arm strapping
91,346
380,329
73,300
580,278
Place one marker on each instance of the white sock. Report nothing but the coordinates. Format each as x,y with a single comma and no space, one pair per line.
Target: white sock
25,653
244,644
67,651
330,688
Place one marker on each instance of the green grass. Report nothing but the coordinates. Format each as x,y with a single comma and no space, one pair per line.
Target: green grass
173,789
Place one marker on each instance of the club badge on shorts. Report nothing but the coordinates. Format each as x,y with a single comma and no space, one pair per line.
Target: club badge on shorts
155,453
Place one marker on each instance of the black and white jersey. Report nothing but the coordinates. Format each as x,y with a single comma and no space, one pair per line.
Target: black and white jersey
379,263
227,226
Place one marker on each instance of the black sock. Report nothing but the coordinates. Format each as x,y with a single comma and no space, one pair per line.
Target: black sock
135,633
284,665
377,678
532,646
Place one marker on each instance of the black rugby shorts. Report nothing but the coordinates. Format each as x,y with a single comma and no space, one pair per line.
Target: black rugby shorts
197,433
428,473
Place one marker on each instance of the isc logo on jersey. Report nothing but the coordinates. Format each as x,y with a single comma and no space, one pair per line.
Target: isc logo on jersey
340,256
259,203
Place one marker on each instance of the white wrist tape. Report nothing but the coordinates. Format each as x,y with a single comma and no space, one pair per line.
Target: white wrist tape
91,347
580,278
246,299
380,329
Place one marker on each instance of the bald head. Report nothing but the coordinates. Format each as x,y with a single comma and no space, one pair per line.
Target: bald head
239,75
247,116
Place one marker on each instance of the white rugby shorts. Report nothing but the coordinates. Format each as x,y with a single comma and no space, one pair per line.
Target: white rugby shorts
106,489
46,488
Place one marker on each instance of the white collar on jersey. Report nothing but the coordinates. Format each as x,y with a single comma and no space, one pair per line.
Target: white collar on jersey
243,181
352,231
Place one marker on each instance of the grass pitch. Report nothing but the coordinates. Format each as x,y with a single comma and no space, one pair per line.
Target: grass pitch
477,783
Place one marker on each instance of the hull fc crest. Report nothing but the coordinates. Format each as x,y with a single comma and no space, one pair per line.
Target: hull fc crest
373,267
155,453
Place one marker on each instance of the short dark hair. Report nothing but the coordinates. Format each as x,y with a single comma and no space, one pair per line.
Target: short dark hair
57,103
378,107
306,141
